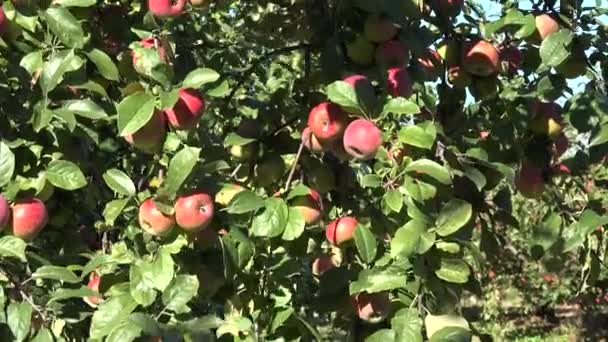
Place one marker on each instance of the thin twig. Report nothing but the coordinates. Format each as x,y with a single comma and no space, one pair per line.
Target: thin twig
293,167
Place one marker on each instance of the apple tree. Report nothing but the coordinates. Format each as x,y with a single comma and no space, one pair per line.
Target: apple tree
292,169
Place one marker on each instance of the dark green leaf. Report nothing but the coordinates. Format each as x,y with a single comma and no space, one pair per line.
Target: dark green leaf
198,77
373,281
454,215
43,335
113,209
179,292
134,112
233,139
417,136
56,273
18,318
61,294
85,108
180,167
111,313
244,202
7,164
366,243
104,64
453,271
119,182
430,168
452,334
65,175
343,94
273,220
295,225
65,26
408,325
407,239
554,48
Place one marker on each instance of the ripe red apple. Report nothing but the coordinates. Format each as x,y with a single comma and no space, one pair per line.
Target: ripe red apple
480,58
5,213
29,218
449,8
327,121
187,110
429,65
379,29
511,59
372,307
362,138
166,8
529,180
399,82
392,53
149,138
194,212
311,142
360,51
310,206
150,43
341,230
2,20
545,25
322,264
152,220
94,281
546,119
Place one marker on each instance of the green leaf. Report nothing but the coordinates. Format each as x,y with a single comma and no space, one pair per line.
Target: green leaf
111,313
7,164
371,181
280,317
75,3
32,62
366,243
234,325
295,225
85,108
141,284
56,273
407,239
394,200
233,139
125,332
42,116
382,335
43,335
104,64
435,323
65,175
54,69
400,106
430,168
454,215
343,94
297,191
12,247
222,90
600,137
452,334
273,220
113,209
417,136
408,325
179,292
453,271
180,167
198,77
61,294
244,202
374,280
18,318
65,26
119,182
554,48
134,112
168,99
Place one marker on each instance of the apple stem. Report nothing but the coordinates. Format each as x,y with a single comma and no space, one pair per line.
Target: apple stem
236,170
293,167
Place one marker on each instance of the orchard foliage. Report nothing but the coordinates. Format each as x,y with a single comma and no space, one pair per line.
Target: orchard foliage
291,169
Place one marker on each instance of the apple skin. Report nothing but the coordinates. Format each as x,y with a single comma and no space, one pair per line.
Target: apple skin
5,213
511,60
150,43
310,206
546,119
149,138
152,220
322,264
430,65
399,82
379,29
360,51
529,180
29,218
166,8
93,284
545,25
269,170
372,307
2,20
187,110
362,138
392,53
311,142
327,121
194,212
341,230
449,8
480,58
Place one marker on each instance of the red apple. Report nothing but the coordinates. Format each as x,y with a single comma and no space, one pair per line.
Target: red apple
29,218
322,264
187,110
166,8
430,65
399,82
449,8
480,58
2,20
372,307
310,206
392,53
511,59
5,213
152,220
529,180
341,230
194,212
379,29
149,138
311,142
150,43
327,121
545,25
362,138
94,281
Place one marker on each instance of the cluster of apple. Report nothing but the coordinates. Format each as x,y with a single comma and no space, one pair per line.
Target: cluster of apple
25,218
184,115
169,8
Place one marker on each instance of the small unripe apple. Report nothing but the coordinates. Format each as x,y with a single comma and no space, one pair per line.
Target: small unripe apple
187,110
362,138
372,307
545,25
29,217
311,142
194,212
341,230
310,206
399,82
269,170
449,8
392,53
511,59
321,178
200,3
150,137
247,152
152,220
5,213
429,65
166,8
322,264
379,29
150,43
546,119
360,51
529,180
93,284
327,121
227,193
480,58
